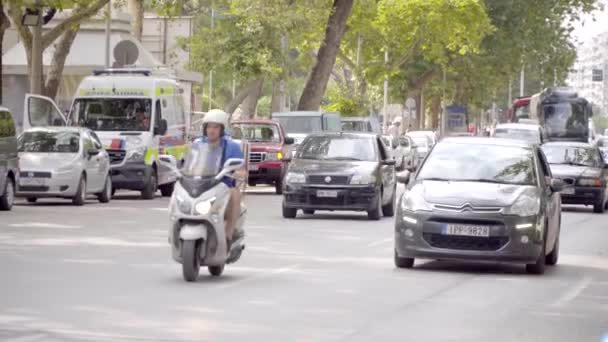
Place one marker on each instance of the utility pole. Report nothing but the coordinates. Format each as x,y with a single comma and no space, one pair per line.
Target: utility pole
108,32
36,76
385,107
444,116
510,99
522,79
211,71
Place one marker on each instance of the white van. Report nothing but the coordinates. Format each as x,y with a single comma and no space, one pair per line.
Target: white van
138,116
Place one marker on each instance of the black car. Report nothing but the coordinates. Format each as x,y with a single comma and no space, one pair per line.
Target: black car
340,171
582,166
481,199
8,159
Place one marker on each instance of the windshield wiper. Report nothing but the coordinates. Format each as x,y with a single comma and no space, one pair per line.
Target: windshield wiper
436,179
343,158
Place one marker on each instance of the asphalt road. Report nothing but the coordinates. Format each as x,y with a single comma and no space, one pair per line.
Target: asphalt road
104,273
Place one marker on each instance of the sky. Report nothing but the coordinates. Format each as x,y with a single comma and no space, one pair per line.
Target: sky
586,28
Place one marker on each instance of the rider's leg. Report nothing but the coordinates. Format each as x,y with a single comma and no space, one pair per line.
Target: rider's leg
233,211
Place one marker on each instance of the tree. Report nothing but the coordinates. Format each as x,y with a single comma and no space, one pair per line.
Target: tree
65,31
317,81
136,9
5,24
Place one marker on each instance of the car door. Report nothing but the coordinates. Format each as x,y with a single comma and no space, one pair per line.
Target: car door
387,172
553,199
41,111
104,158
91,163
8,148
604,170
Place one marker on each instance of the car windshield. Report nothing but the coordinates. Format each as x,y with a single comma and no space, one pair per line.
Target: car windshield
523,111
480,163
356,126
518,134
113,114
338,148
572,155
203,161
49,142
301,124
256,132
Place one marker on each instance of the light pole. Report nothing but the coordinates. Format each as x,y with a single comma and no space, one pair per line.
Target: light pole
108,32
211,71
33,19
385,107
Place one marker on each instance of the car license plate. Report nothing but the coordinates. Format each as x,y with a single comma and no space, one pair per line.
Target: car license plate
468,230
254,167
568,191
327,193
32,181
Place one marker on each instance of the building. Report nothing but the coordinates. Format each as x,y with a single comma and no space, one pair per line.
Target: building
588,75
88,53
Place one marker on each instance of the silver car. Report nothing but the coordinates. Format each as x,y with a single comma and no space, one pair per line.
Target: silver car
67,162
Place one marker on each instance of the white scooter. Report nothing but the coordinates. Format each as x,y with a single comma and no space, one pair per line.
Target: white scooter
197,212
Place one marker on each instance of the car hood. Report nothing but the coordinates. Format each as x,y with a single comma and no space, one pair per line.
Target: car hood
473,193
563,170
264,146
311,167
29,161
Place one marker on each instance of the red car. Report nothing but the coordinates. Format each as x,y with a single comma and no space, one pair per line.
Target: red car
267,146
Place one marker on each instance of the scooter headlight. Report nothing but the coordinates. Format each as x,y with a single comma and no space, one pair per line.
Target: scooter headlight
183,204
203,207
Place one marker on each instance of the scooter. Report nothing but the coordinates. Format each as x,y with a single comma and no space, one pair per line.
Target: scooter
197,213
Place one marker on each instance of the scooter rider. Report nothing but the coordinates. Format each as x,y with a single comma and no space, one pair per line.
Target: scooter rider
223,148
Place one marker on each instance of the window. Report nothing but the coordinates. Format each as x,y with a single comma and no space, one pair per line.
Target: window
7,125
112,114
96,140
42,112
49,141
158,114
87,144
338,148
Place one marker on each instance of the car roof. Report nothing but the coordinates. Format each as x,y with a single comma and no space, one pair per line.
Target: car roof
487,141
302,113
57,129
569,143
255,121
346,134
525,126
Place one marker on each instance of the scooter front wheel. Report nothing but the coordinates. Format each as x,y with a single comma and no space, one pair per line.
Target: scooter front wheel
190,260
216,271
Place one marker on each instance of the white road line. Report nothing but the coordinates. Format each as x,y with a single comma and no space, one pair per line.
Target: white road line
159,209
380,242
571,294
43,225
261,275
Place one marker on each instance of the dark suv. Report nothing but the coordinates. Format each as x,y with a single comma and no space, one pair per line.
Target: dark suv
8,159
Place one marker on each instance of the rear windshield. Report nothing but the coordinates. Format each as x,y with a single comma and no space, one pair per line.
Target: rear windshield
256,132
49,142
301,124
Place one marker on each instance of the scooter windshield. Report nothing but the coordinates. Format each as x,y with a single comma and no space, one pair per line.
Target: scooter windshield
204,161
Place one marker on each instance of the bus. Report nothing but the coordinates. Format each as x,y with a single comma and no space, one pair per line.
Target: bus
520,109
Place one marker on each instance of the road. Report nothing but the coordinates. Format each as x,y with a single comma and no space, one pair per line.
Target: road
104,273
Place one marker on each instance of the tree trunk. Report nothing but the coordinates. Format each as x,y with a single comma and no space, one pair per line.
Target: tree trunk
55,73
326,58
4,25
240,96
136,10
251,101
276,103
435,109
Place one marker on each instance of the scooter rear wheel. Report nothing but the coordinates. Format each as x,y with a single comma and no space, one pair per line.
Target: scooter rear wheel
190,261
216,271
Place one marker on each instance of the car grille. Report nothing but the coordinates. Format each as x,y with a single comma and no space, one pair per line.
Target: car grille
34,188
345,199
33,174
256,157
117,156
471,243
334,180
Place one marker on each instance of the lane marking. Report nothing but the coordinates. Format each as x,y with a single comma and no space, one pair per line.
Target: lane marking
571,294
380,242
43,225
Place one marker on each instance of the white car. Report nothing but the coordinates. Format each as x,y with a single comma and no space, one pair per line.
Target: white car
66,162
430,134
520,131
396,150
423,145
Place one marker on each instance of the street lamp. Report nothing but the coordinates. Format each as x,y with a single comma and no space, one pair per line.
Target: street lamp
31,17
34,19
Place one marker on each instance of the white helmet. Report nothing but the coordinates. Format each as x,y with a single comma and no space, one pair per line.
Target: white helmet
216,116
397,120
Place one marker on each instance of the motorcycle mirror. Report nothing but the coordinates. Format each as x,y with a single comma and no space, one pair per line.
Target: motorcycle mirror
230,166
170,162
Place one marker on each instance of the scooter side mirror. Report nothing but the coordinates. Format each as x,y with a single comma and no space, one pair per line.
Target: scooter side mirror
170,162
230,166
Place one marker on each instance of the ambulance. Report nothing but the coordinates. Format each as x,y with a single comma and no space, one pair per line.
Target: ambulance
138,115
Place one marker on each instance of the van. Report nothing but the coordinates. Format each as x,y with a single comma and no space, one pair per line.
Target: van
138,115
9,159
298,125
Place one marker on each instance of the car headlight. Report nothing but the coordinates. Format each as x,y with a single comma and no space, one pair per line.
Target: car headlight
274,156
413,201
590,182
295,178
525,205
363,179
184,205
203,207
137,154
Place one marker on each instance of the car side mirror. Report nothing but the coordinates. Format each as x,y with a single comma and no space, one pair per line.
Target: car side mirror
557,185
403,177
289,141
161,128
93,152
389,162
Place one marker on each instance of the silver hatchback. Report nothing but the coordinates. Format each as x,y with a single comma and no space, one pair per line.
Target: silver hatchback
67,162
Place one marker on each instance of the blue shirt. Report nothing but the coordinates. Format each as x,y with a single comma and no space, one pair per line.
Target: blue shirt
231,149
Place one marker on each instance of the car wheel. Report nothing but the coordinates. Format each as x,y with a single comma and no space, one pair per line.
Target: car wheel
106,194
166,190
403,262
309,211
599,207
539,266
289,212
81,193
31,199
150,187
376,213
278,187
8,195
552,258
388,210
216,271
